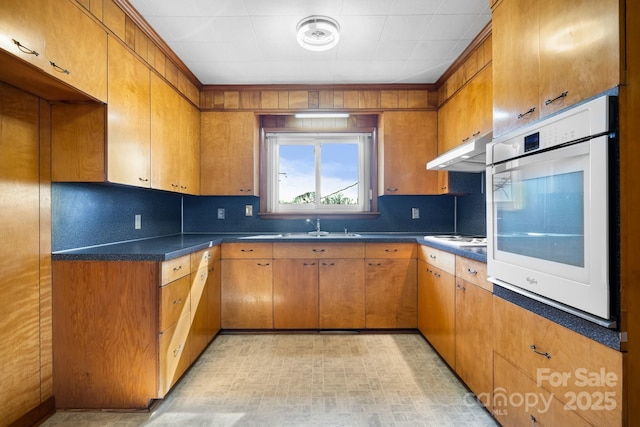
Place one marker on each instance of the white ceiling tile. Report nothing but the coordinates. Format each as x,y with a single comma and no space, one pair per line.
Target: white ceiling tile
405,27
448,27
253,41
417,7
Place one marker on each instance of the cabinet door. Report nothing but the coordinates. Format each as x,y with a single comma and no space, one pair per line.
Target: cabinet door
23,32
515,64
474,339
175,354
543,410
189,148
295,293
229,154
199,296
165,148
438,320
19,253
342,294
213,300
247,294
391,293
76,48
409,140
128,118
580,56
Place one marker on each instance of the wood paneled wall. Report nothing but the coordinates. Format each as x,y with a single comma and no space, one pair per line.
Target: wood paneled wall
320,98
125,23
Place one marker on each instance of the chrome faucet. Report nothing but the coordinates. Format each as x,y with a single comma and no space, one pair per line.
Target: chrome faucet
317,224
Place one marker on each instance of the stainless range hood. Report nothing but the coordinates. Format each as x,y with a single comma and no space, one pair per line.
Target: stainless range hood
468,157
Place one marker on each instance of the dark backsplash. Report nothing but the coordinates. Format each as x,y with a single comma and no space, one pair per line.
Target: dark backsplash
94,214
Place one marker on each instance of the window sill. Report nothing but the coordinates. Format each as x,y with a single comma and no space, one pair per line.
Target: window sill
321,215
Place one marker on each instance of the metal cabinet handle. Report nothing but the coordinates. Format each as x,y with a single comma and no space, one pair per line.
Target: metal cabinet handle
562,95
143,179
328,264
178,268
391,250
177,301
177,351
25,49
432,256
531,110
59,68
308,264
243,190
472,271
459,286
545,354
318,250
261,264
375,264
246,250
476,133
393,190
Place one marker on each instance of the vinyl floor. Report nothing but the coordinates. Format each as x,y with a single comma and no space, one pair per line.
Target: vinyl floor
308,380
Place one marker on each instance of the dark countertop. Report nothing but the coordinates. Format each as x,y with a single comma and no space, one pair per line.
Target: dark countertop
169,247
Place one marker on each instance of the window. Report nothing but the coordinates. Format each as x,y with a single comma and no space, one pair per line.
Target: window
316,172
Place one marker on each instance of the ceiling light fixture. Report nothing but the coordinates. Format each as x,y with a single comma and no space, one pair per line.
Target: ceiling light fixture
321,115
318,33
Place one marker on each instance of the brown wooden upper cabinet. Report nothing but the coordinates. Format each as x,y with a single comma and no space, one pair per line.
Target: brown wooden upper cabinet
175,136
467,114
409,141
548,55
229,154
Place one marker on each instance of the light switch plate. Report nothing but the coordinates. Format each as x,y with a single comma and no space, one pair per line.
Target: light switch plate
248,210
137,222
220,213
415,213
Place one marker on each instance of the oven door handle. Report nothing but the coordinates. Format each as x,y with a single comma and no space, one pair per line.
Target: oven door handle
563,152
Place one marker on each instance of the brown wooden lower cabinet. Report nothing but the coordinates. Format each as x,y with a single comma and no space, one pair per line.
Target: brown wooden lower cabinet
247,293
341,294
391,293
125,331
295,293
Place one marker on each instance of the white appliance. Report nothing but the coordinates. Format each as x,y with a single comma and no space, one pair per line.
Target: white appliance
548,210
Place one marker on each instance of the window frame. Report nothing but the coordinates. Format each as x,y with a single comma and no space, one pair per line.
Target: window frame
372,172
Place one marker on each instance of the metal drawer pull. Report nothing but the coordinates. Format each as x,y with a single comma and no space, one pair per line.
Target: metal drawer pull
177,351
317,250
459,286
308,264
331,264
374,265
562,95
143,179
472,271
392,189
391,250
531,110
203,276
432,256
264,264
25,49
476,134
177,268
246,250
545,354
178,301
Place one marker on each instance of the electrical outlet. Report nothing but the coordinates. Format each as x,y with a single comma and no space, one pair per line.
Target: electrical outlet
248,210
415,213
220,213
137,222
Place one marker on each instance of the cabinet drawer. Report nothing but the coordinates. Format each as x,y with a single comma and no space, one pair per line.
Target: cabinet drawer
390,250
205,258
247,250
518,401
318,250
443,260
175,268
174,353
473,271
563,362
174,301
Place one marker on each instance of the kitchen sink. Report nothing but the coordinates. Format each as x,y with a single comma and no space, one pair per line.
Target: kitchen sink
310,235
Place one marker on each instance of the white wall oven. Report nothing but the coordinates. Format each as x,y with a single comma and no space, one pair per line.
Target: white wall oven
549,210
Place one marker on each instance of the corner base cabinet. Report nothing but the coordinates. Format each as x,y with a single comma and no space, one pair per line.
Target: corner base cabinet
125,331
